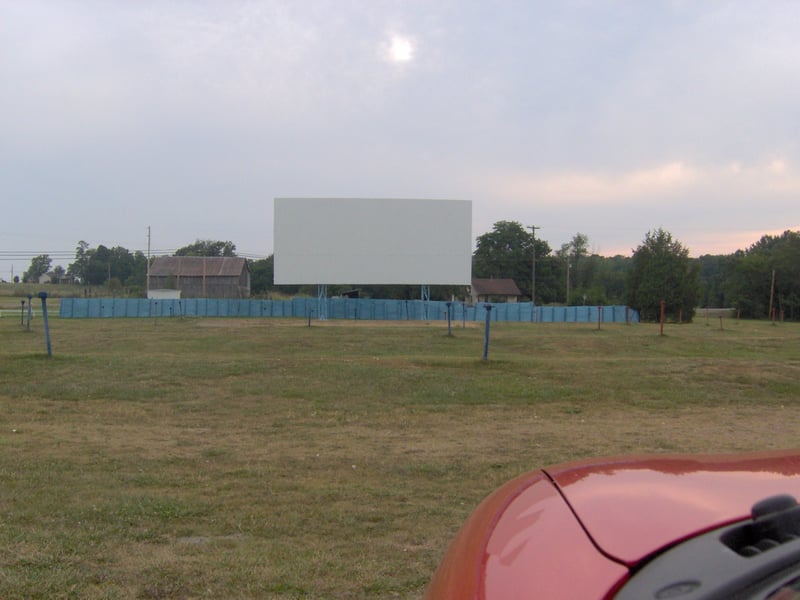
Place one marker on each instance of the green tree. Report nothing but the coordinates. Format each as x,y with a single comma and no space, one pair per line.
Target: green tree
506,252
662,271
786,262
38,267
261,274
97,266
747,283
207,248
610,276
713,270
549,277
577,271
579,246
565,262
748,276
78,268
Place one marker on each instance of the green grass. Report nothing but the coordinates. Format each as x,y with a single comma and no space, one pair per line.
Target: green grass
185,458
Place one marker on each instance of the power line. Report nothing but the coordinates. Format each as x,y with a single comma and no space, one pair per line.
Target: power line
20,255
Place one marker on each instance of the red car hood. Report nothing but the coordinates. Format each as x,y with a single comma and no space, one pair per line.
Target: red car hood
633,507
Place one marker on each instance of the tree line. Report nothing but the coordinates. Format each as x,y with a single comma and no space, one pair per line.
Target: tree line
763,278
117,268
760,281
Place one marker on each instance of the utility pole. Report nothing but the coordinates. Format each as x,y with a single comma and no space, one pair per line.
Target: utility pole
148,262
533,229
569,266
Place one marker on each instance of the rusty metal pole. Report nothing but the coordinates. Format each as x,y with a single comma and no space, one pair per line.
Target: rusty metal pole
486,332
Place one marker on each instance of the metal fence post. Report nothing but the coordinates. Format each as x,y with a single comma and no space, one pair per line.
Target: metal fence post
43,296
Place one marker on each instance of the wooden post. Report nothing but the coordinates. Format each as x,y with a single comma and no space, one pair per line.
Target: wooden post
663,311
772,296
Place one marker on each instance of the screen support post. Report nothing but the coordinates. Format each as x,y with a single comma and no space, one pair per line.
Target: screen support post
426,297
322,302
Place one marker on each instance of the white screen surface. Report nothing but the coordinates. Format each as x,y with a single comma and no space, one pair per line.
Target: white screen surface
372,241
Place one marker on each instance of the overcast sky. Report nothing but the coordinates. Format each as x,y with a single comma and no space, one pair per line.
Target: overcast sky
606,118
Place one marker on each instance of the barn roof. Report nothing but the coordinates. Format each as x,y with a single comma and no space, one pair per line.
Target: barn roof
495,287
197,266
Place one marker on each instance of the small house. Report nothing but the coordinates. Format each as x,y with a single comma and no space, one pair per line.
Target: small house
494,290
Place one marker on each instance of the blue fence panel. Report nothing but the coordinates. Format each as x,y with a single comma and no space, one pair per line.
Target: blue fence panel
189,307
499,312
340,308
364,309
82,308
278,309
298,307
94,310
77,308
379,310
139,308
395,311
146,308
123,308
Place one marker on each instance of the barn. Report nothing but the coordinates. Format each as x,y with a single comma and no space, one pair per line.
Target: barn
201,276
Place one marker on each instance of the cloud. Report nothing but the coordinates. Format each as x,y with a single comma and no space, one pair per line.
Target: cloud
671,180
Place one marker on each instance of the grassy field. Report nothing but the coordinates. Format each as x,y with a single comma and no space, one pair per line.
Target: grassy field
222,458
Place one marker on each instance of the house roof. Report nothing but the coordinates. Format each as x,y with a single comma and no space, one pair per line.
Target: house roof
495,287
198,266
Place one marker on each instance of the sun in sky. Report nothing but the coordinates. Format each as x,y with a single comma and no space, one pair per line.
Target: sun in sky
401,49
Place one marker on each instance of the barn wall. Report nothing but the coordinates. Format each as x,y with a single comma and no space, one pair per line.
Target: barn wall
215,287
